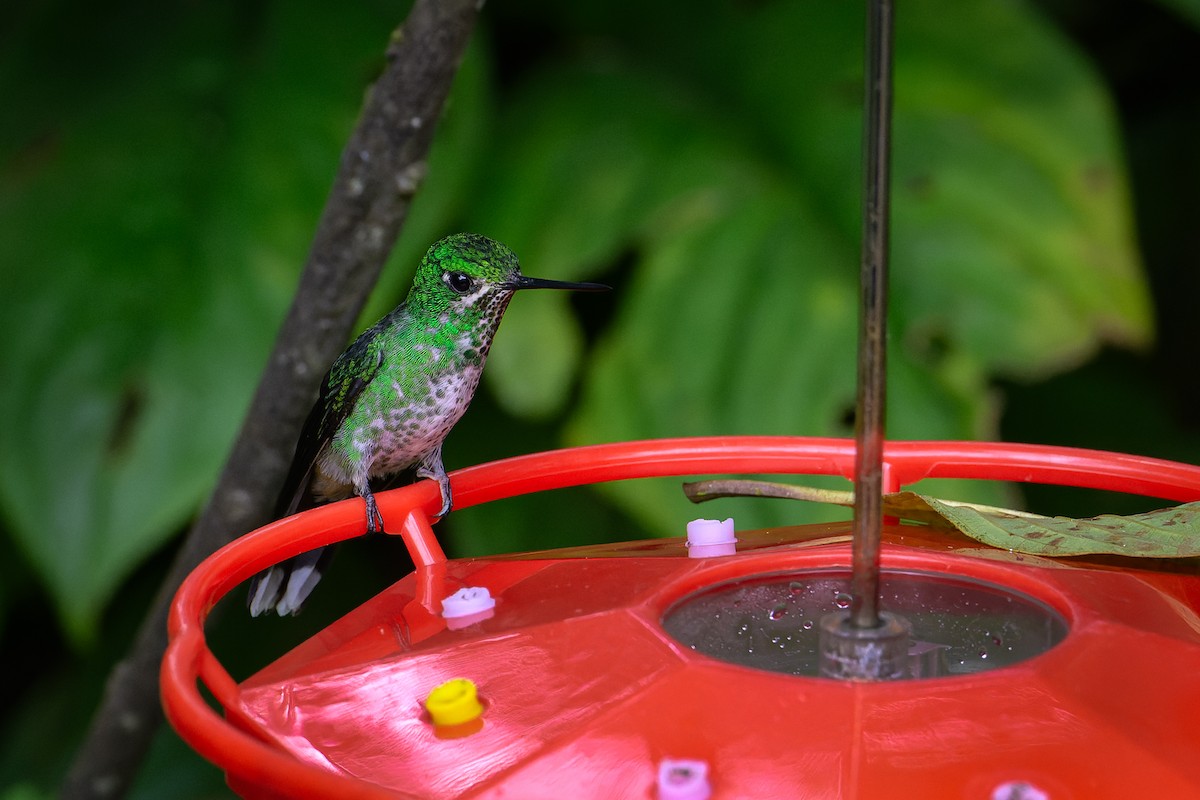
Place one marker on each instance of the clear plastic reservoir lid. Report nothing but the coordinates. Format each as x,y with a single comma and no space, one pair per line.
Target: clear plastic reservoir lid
771,622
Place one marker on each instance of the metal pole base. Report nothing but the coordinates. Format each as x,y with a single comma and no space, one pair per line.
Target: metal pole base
850,653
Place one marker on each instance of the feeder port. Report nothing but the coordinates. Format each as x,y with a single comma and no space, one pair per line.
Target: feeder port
454,702
467,601
710,537
1018,790
683,779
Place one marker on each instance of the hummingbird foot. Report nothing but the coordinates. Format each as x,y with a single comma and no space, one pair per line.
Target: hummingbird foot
374,518
447,498
431,467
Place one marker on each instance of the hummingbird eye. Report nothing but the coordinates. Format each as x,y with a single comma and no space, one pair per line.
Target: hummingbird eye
459,282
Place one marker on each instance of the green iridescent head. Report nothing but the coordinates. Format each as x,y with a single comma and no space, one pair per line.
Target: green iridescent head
467,270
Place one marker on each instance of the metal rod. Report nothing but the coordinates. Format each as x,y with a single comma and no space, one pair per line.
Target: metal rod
870,426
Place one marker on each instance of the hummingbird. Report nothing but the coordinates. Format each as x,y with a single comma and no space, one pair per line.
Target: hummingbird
388,402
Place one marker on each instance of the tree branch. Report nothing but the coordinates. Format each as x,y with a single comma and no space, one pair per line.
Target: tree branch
381,168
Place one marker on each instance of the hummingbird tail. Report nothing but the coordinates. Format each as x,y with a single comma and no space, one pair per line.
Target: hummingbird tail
286,586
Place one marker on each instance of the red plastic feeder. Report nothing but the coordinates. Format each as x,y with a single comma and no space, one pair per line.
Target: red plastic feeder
634,670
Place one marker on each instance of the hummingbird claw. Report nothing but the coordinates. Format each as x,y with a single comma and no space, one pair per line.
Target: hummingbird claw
374,518
447,499
443,483
431,467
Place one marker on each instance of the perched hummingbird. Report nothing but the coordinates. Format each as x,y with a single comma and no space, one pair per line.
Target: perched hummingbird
389,400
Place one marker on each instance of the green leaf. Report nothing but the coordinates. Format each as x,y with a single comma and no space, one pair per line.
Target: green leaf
1165,533
23,791
724,167
109,283
535,356
156,211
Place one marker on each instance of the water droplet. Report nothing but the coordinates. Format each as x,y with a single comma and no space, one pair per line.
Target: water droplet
777,613
996,640
983,653
841,600
807,625
796,587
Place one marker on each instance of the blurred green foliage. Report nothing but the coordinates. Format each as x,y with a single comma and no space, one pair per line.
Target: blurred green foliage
161,173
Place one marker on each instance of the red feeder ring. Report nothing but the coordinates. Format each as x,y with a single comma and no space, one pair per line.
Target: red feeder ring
583,693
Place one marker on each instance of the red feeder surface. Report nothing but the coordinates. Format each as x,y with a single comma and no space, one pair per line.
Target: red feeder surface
584,693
